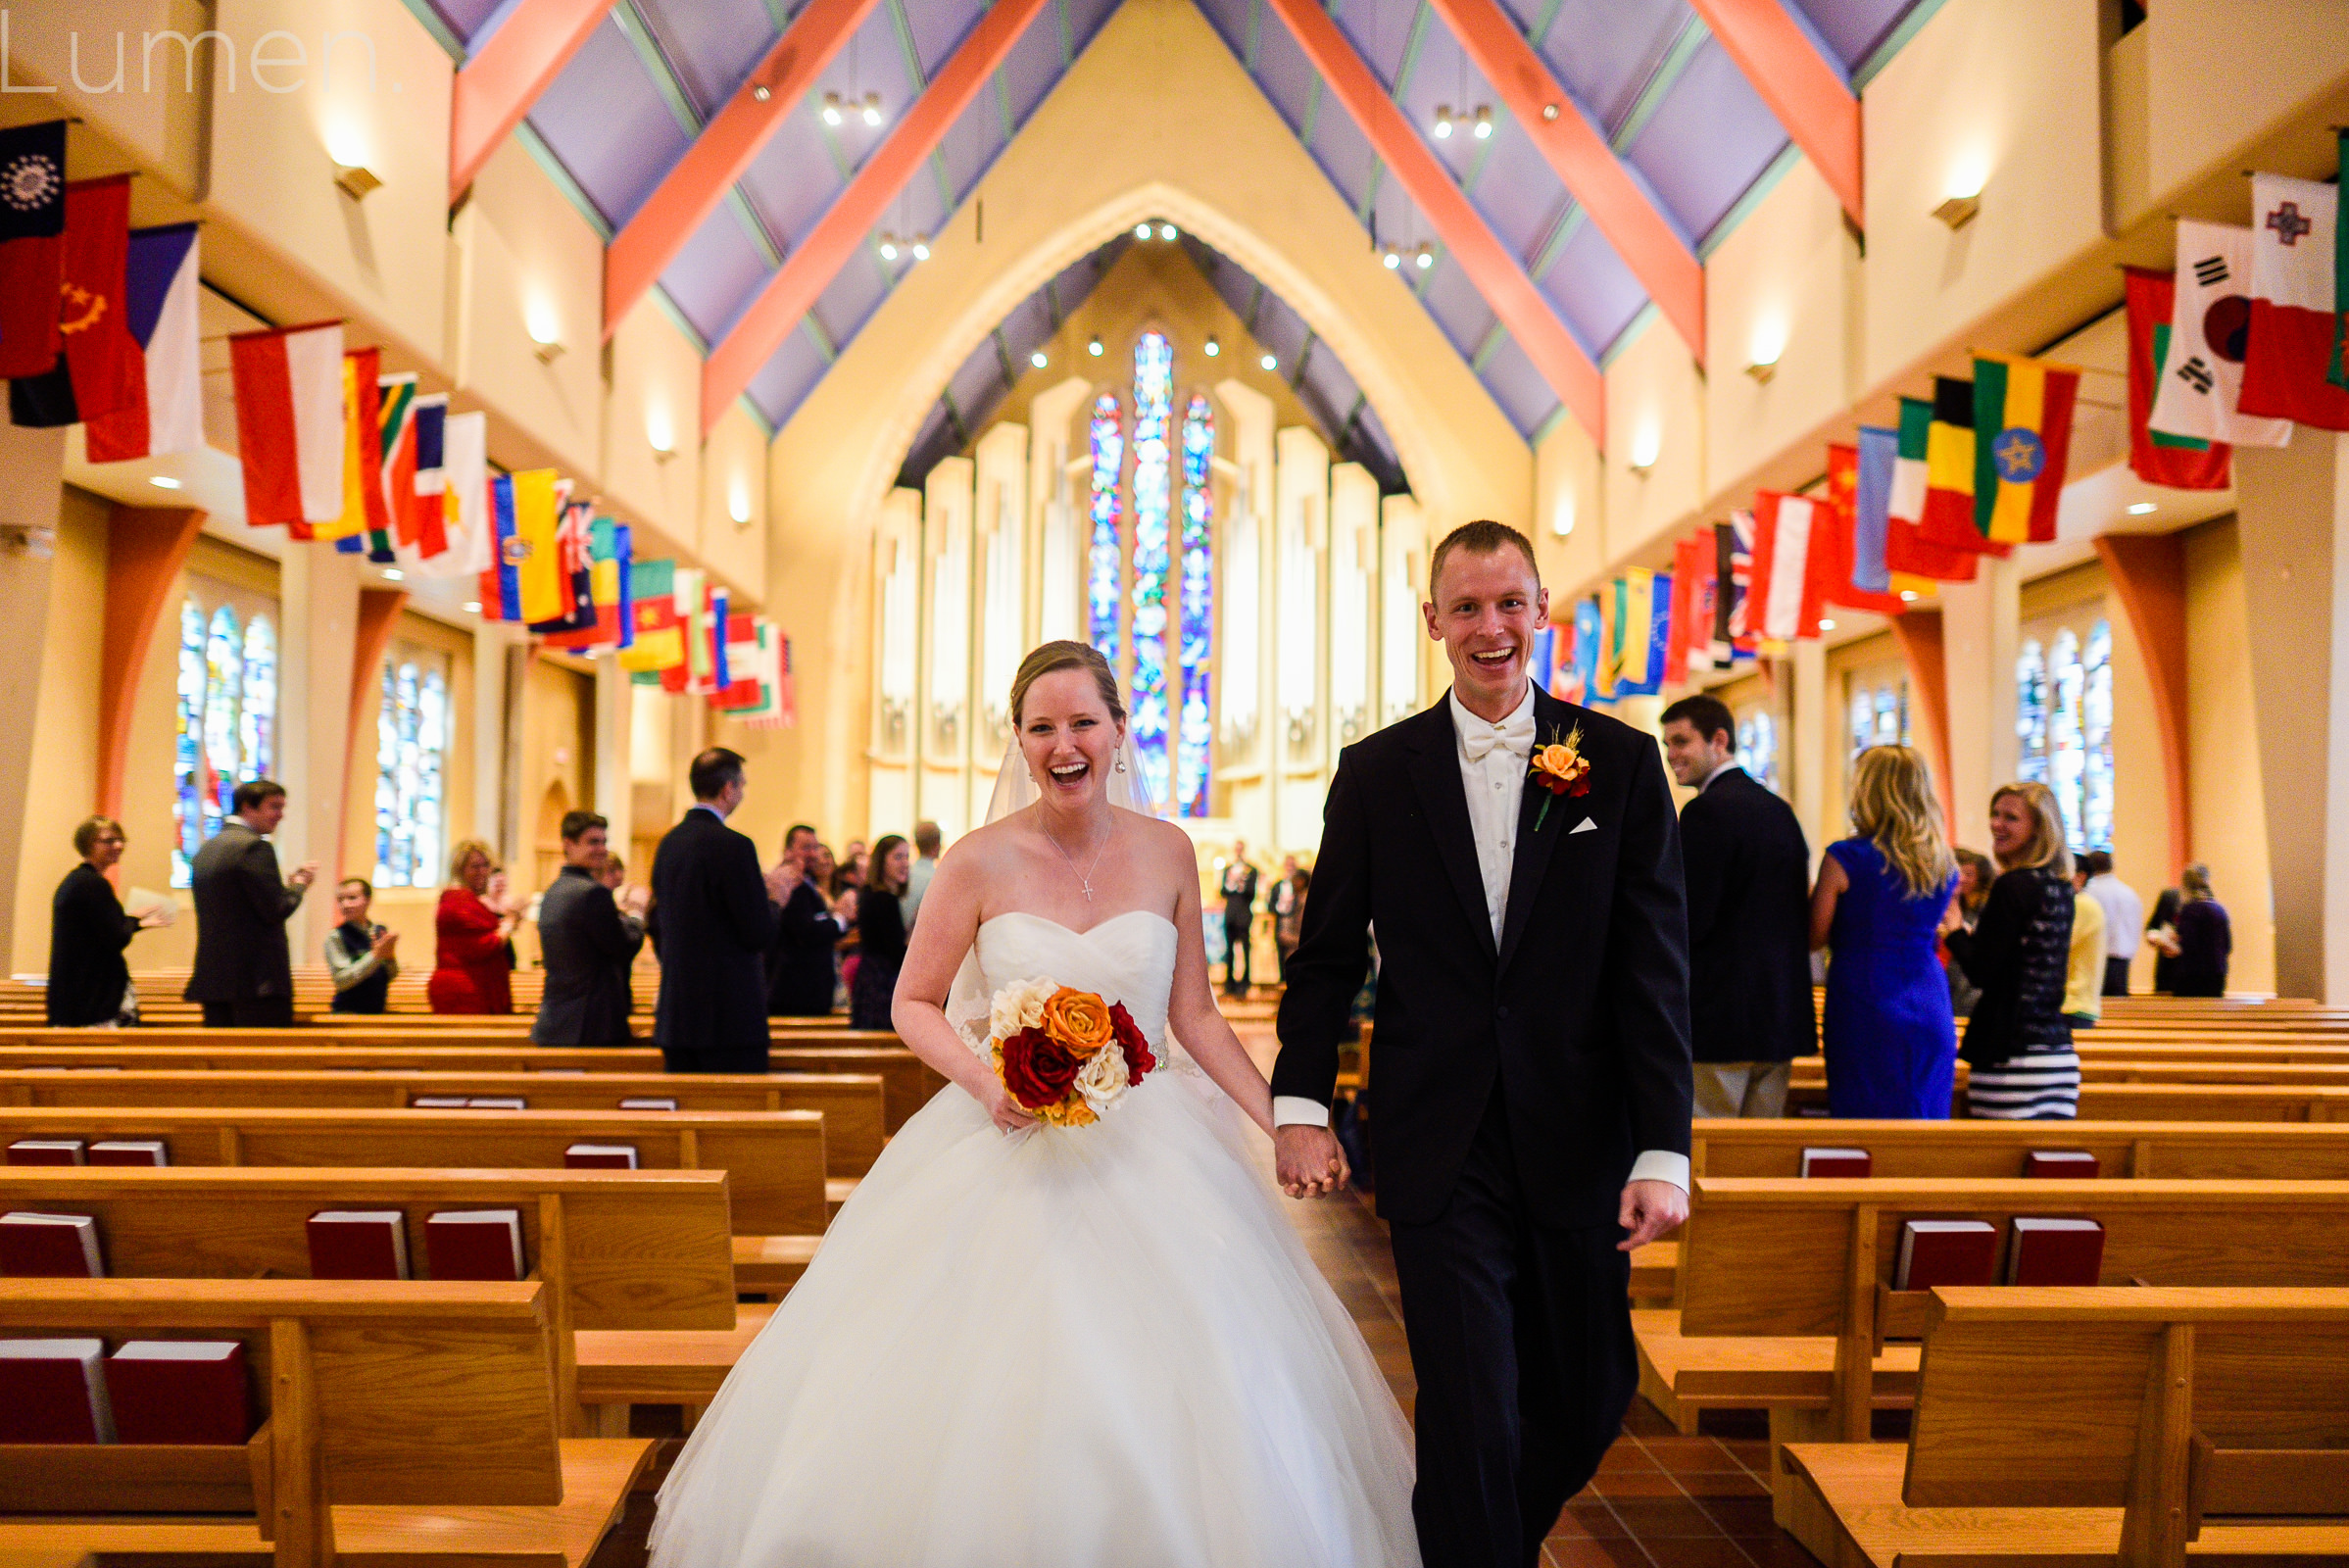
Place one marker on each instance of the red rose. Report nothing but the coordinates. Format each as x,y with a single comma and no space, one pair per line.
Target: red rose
1037,1071
1128,1035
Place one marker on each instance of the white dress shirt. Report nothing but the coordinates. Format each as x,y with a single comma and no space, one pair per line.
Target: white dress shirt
2124,914
1492,773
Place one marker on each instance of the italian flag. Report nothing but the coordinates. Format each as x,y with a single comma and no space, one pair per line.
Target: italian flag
2296,298
2022,440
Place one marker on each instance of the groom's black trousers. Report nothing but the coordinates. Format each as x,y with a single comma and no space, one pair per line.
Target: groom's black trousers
1521,1339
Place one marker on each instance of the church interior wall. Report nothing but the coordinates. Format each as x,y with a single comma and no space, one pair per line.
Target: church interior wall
652,440
2229,804
1655,443
65,727
157,128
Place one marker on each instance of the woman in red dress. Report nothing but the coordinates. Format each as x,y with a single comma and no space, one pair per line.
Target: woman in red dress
470,971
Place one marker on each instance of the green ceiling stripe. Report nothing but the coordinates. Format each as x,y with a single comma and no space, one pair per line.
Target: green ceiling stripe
1304,132
1068,33
693,333
551,166
1692,36
429,20
1550,422
1370,191
1411,49
904,27
1254,305
656,60
778,12
1549,17
1907,28
1353,418
1624,339
824,347
1764,183
1051,301
1003,102
1484,150
1250,55
953,416
1569,224
1487,349
767,426
1002,355
1305,357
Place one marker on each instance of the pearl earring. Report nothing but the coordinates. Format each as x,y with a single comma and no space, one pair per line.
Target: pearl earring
1122,764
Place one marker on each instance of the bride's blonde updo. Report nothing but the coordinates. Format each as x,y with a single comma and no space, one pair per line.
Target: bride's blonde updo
1066,655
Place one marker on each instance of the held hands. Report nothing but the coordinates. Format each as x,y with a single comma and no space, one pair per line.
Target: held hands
779,879
1309,1160
635,900
386,945
1649,1209
303,874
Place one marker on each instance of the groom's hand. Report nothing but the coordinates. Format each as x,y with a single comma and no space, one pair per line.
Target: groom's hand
1309,1161
1649,1209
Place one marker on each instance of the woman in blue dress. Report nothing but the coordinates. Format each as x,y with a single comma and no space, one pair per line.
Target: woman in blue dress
1881,900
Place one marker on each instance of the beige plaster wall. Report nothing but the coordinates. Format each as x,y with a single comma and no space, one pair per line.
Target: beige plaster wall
63,762
652,399
733,478
2229,800
1655,411
91,57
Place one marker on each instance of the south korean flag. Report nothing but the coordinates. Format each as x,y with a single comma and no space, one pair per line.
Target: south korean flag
2201,368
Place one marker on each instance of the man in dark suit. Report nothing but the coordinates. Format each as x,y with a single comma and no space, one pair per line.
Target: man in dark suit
587,941
713,914
1749,919
800,968
1238,919
244,973
1529,1110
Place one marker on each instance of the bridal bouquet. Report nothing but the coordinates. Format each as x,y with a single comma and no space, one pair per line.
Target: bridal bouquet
1065,1054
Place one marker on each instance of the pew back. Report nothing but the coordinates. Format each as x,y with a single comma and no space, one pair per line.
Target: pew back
2210,1150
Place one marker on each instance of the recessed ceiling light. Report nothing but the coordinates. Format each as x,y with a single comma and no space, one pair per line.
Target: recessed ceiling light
1166,231
471,607
1094,348
1826,625
1141,231
1270,361
1038,360
164,481
2140,508
394,575
1214,348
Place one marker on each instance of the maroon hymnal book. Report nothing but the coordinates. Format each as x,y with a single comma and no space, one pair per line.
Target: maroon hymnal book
2055,1251
348,1244
496,1103
50,1247
47,1152
649,1102
54,1391
1946,1251
1837,1162
600,1157
179,1390
129,1151
436,1102
2068,1163
474,1243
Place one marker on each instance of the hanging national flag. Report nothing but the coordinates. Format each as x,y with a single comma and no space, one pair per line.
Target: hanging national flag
1790,554
2201,379
289,424
1906,549
96,371
741,646
465,518
691,672
1732,589
574,566
32,238
772,709
1647,632
1584,681
534,551
609,629
2022,444
166,412
501,580
706,650
2180,462
659,639
1839,568
1692,616
428,509
2295,303
1948,513
364,511
395,402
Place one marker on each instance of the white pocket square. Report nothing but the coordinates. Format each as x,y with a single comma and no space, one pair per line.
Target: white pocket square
1584,826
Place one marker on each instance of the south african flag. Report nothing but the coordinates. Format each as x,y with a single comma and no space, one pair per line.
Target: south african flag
2022,437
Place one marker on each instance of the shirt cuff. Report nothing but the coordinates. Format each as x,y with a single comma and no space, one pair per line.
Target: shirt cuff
1296,1110
1661,1165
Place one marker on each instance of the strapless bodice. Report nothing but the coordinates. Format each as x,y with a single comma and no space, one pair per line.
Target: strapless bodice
1128,958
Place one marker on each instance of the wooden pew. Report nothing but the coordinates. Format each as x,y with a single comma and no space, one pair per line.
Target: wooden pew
2144,1428
638,1256
851,1106
906,1080
399,1420
1785,1285
2150,1101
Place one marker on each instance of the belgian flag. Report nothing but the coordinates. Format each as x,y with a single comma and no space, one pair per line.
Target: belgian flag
2022,440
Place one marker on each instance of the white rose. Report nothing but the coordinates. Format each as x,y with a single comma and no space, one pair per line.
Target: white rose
1103,1077
1018,1006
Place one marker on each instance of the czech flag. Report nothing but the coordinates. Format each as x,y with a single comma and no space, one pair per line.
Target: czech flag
166,413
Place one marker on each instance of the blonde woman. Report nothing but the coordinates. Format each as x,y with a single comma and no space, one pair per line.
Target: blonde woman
469,972
2018,1042
1881,899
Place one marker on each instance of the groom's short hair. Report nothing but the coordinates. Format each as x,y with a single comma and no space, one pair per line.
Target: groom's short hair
1482,537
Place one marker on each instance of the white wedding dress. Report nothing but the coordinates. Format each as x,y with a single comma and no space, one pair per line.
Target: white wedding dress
1096,1346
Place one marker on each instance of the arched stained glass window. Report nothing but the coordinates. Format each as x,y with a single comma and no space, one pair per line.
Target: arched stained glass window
1194,755
2095,816
227,721
2030,713
1757,745
1153,413
257,709
1104,564
2063,725
411,735
189,787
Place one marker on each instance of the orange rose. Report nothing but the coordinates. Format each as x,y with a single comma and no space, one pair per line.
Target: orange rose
1079,1021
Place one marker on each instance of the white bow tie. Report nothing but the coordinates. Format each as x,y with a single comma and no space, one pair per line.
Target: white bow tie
1514,734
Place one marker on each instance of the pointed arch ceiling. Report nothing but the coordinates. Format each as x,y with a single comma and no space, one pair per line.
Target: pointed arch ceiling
1693,134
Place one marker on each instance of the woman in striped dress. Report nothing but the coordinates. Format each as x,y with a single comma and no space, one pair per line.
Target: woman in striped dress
2018,1042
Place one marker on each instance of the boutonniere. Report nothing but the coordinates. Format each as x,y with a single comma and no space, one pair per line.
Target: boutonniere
1561,769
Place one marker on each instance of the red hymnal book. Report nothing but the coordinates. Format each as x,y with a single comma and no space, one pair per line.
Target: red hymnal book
600,1157
649,1102
54,1391
1837,1162
2070,1164
130,1151
436,1102
2055,1251
496,1103
50,1247
1946,1251
179,1390
46,1152
474,1243
347,1244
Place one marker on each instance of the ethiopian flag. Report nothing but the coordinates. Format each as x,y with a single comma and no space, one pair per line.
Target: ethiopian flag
2022,437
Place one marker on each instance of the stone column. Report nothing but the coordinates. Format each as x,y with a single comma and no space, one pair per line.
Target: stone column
1981,623
613,790
318,597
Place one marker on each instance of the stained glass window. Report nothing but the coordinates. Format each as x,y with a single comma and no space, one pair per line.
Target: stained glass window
1193,761
227,721
1106,558
2030,713
1757,745
191,791
1879,714
412,732
1152,504
2064,726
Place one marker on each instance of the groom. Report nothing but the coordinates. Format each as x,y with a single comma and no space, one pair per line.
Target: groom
1530,1102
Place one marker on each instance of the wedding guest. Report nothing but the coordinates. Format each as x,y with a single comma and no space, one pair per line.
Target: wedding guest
1747,870
89,980
799,960
1239,918
2161,935
2017,1042
615,874
1976,873
2124,917
2205,938
587,939
244,973
1288,905
881,935
712,920
362,956
471,970
854,865
928,845
1880,898
2084,974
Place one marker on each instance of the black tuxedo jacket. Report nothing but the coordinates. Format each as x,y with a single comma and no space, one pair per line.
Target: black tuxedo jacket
710,922
1749,924
799,965
1580,1012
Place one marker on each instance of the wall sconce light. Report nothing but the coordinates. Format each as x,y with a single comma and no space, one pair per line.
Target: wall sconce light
1958,210
1561,520
738,508
356,181
1214,348
664,454
662,437
1763,369
548,351
1647,447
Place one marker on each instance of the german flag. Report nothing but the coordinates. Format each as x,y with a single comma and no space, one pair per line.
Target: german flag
2022,436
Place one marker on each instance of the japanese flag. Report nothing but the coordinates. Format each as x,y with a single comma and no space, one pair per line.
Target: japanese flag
2209,328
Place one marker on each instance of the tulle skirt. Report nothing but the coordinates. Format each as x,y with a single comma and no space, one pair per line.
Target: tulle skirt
1088,1346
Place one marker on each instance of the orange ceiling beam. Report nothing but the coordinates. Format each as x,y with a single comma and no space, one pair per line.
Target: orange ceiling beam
1657,254
723,153
1802,87
498,85
1491,264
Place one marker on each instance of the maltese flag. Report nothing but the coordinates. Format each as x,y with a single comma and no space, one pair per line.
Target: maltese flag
2293,304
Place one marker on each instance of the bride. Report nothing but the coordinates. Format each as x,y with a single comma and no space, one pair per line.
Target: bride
1057,1347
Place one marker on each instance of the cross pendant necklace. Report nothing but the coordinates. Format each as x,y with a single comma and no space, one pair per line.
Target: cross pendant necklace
1085,877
